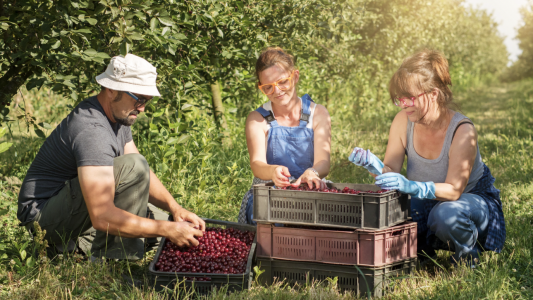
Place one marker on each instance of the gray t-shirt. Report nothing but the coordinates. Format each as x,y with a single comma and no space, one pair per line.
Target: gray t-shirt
85,137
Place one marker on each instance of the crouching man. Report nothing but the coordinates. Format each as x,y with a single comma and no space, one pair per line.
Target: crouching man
89,176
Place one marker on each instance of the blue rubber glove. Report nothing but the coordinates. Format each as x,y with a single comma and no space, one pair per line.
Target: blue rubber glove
396,181
367,160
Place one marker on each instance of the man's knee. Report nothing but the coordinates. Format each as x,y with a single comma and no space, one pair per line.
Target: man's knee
136,164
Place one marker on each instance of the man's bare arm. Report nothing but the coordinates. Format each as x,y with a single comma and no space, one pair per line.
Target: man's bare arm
98,188
161,197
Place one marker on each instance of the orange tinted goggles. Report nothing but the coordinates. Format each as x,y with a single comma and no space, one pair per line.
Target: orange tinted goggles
282,84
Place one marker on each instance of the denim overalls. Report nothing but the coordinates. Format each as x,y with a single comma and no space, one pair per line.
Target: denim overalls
291,147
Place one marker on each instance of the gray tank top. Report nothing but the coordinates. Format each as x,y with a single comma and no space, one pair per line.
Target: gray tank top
422,169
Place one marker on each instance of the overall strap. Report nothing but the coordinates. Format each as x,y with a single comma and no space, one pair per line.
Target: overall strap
268,115
306,110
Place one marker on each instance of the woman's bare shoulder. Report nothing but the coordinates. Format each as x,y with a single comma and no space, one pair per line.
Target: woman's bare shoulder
399,124
255,121
321,112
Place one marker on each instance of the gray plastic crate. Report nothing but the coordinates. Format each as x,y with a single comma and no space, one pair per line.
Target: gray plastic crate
349,278
234,282
364,210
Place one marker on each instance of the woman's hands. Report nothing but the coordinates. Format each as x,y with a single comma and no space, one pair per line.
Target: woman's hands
311,179
281,176
396,181
367,160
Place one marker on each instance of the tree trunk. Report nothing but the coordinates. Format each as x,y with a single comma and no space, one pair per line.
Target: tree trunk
218,108
12,80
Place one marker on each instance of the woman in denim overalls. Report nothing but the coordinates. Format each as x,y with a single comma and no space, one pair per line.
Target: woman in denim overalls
288,137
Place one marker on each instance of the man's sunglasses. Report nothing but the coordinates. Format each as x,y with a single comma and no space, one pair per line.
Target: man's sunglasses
141,101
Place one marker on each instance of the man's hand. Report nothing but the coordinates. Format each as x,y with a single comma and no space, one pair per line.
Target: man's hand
183,234
182,214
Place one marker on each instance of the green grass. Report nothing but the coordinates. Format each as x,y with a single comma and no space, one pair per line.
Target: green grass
211,177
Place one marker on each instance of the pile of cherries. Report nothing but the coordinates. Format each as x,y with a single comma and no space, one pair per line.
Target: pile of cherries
220,250
346,190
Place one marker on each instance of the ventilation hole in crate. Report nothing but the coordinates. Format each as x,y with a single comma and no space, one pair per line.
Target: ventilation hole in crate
343,282
339,214
203,290
396,248
290,276
337,251
396,267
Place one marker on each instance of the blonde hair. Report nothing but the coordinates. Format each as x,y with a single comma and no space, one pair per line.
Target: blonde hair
425,70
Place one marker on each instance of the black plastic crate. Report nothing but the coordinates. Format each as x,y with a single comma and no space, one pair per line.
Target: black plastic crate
234,282
349,278
364,210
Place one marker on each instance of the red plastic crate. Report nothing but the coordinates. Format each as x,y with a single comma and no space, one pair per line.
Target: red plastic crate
371,248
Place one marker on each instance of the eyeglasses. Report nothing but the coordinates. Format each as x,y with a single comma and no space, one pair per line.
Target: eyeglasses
141,101
282,84
407,101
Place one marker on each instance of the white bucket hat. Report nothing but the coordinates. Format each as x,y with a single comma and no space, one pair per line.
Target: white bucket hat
130,74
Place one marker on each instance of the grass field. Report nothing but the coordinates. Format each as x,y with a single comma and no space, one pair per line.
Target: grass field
211,178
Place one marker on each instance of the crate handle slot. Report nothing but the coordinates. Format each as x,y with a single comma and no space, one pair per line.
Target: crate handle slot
397,232
397,267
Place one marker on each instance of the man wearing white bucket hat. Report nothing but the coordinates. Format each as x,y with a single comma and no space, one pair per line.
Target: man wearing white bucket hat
89,179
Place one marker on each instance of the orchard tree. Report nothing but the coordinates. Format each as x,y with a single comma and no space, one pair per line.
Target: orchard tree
64,44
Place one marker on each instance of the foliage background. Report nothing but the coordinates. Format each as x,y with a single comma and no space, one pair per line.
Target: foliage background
346,50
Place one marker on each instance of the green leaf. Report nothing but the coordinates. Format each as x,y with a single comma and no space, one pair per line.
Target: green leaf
124,48
30,262
35,82
183,138
166,21
170,152
102,55
116,39
172,49
23,254
165,30
5,146
39,133
90,52
45,125
159,113
180,36
154,22
136,36
56,44
69,84
186,105
172,141
220,33
84,30
91,21
188,85
4,26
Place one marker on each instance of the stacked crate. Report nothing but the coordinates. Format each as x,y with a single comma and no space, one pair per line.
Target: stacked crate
326,234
